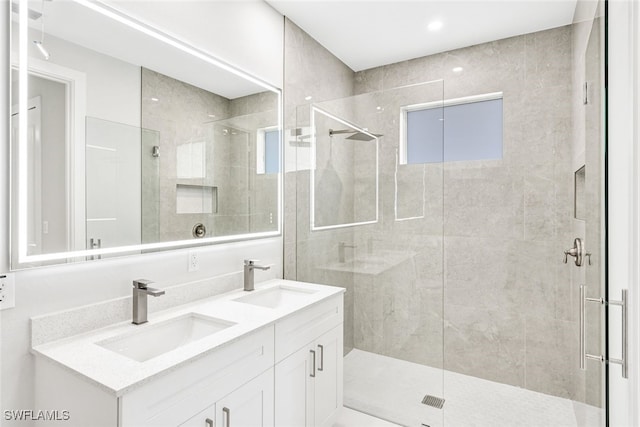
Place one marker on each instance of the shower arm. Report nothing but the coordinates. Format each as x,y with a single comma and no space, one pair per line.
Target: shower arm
339,132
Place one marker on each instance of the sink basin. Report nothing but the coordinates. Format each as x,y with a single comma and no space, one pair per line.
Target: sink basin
276,297
154,340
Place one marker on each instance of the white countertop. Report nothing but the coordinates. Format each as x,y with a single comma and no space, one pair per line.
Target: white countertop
119,374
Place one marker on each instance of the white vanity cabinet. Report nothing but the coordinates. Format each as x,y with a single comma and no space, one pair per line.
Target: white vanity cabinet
249,406
217,379
237,376
282,367
308,381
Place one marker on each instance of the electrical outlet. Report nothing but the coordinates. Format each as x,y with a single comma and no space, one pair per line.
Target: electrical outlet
194,261
7,291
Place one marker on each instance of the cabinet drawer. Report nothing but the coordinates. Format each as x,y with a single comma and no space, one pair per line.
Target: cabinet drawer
300,329
173,398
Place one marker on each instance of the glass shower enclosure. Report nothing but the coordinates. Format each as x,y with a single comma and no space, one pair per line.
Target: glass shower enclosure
370,219
465,219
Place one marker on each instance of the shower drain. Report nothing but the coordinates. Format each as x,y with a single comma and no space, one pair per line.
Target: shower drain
436,402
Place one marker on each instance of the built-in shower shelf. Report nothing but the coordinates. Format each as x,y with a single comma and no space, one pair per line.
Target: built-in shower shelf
196,199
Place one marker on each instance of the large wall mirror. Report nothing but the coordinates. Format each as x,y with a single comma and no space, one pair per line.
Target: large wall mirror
126,140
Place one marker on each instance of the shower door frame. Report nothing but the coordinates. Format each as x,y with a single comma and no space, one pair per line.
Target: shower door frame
623,200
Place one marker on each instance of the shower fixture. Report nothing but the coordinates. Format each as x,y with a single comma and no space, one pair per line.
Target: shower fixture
357,135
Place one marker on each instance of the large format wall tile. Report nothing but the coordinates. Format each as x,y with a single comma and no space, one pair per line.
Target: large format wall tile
503,221
485,292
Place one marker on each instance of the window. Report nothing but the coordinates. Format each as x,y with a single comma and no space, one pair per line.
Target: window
268,151
456,130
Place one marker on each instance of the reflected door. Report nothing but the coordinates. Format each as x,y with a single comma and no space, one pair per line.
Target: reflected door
113,190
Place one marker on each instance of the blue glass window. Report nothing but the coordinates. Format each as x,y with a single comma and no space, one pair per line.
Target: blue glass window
272,151
471,131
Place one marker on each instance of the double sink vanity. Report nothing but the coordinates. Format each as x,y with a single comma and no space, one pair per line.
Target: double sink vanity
271,357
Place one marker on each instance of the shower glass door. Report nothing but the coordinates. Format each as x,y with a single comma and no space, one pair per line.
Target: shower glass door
523,186
369,174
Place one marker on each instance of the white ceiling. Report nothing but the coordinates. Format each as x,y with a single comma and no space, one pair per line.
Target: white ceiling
369,33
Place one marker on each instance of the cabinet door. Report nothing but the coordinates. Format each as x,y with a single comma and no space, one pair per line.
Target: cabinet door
328,380
249,406
201,419
294,390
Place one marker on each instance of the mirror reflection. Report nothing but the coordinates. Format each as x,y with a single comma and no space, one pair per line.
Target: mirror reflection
162,144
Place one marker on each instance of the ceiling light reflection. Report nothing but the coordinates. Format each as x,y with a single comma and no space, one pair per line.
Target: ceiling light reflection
435,25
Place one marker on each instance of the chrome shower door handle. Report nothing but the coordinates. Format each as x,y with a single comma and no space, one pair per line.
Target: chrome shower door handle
624,359
576,251
583,328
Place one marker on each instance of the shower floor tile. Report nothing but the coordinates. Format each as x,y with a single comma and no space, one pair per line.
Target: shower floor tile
393,389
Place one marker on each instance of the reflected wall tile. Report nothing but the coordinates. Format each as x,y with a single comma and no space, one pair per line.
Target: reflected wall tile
548,56
494,338
483,206
368,81
426,69
369,316
395,75
552,362
539,209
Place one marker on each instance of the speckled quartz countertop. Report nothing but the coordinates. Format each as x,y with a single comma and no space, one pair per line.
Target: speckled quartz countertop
118,374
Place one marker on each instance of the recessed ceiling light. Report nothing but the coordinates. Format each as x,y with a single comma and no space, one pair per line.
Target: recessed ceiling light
308,98
211,115
155,99
435,25
457,69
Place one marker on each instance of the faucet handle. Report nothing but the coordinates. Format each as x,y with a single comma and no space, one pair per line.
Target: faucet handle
141,283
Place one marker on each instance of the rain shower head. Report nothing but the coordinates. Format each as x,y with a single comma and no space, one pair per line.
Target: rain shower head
356,135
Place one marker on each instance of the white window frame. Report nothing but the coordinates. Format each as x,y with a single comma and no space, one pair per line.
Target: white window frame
402,150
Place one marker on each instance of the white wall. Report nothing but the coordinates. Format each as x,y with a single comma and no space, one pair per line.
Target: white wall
49,289
53,149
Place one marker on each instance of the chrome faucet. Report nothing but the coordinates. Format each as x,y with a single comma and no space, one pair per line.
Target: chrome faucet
341,247
249,266
140,291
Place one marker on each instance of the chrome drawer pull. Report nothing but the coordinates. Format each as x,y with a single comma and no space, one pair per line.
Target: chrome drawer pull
227,412
321,348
